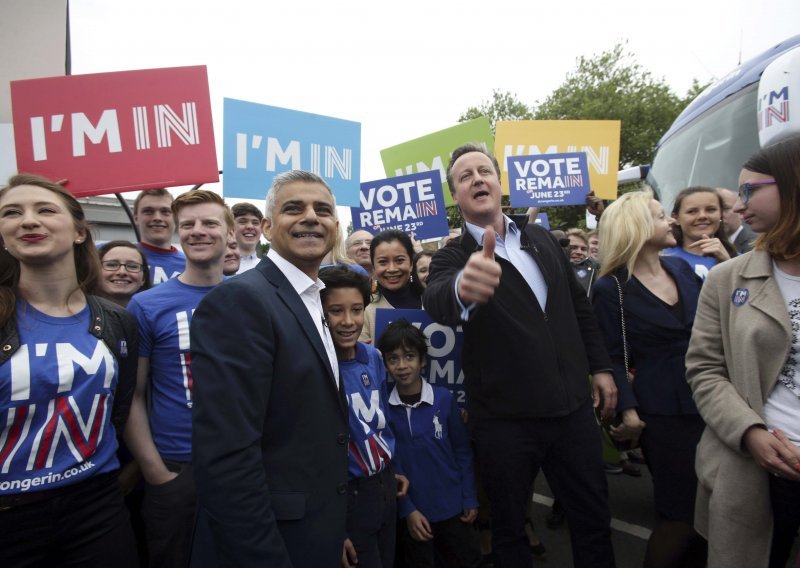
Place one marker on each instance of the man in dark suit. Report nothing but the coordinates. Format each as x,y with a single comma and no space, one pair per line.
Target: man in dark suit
530,343
270,423
739,234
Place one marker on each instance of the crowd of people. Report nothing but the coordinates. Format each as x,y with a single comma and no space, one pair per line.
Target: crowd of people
209,406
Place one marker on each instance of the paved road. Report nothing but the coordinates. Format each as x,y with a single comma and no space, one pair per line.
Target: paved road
633,517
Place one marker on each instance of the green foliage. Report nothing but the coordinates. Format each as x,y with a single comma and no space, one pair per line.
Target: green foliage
502,106
613,86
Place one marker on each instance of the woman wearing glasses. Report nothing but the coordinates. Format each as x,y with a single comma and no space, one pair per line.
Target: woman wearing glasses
125,272
743,365
67,374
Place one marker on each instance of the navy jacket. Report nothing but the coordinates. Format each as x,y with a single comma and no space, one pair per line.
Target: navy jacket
520,361
270,429
657,341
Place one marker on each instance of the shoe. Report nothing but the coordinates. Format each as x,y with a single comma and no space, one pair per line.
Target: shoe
612,468
631,469
554,520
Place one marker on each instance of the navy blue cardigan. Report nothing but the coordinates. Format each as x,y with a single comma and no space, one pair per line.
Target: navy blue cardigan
657,340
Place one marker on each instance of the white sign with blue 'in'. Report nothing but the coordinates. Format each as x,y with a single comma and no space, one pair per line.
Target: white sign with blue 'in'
547,180
261,141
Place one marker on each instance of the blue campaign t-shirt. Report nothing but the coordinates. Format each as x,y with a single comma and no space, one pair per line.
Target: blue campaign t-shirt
164,264
371,440
164,314
700,264
56,397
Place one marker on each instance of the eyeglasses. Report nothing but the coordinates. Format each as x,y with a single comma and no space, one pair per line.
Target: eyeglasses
747,189
112,265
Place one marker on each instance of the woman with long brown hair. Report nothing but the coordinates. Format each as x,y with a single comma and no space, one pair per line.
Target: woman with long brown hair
67,372
744,370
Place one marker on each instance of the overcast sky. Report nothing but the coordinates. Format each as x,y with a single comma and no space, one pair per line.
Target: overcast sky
409,68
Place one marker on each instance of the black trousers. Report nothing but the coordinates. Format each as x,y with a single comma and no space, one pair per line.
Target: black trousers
169,512
372,518
567,449
84,526
454,544
784,495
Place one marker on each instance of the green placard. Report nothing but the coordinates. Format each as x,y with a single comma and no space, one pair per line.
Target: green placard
432,152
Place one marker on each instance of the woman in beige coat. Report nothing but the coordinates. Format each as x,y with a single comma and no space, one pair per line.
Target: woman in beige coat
743,366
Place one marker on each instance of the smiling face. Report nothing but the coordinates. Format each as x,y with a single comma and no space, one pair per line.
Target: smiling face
122,283
37,227
662,236
232,259
358,248
392,265
247,229
578,249
699,215
203,233
405,366
476,188
154,218
344,310
763,209
423,269
303,227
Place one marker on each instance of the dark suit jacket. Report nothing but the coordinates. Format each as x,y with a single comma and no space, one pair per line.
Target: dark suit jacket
270,429
657,340
518,361
744,240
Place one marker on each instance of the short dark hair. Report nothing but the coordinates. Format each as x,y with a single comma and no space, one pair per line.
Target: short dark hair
466,149
335,277
401,333
160,192
242,209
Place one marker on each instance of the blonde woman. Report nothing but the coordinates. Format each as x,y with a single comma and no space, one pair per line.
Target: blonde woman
656,296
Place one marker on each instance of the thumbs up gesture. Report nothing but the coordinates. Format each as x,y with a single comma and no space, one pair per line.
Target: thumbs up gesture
481,275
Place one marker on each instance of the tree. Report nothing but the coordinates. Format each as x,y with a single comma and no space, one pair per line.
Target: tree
503,106
613,86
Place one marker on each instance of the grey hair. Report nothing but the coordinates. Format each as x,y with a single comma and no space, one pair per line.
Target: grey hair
286,178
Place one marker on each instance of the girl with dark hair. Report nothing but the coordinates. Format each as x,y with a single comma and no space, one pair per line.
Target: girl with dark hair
391,253
698,231
743,365
125,272
67,373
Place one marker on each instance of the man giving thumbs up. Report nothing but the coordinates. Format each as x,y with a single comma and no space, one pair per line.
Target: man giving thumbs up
530,342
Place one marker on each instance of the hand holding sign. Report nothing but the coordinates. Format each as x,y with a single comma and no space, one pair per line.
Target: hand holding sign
481,275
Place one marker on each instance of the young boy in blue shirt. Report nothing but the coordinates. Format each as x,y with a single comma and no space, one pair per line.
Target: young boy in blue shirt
373,487
433,446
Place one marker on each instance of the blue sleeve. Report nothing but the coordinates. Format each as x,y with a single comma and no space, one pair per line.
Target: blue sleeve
145,332
459,441
605,301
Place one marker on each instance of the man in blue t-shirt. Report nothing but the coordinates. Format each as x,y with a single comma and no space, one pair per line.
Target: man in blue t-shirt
161,439
152,213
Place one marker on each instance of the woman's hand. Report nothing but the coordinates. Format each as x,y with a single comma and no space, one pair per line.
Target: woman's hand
775,453
708,246
631,427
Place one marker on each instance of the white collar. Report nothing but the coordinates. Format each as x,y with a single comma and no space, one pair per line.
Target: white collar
426,396
296,277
